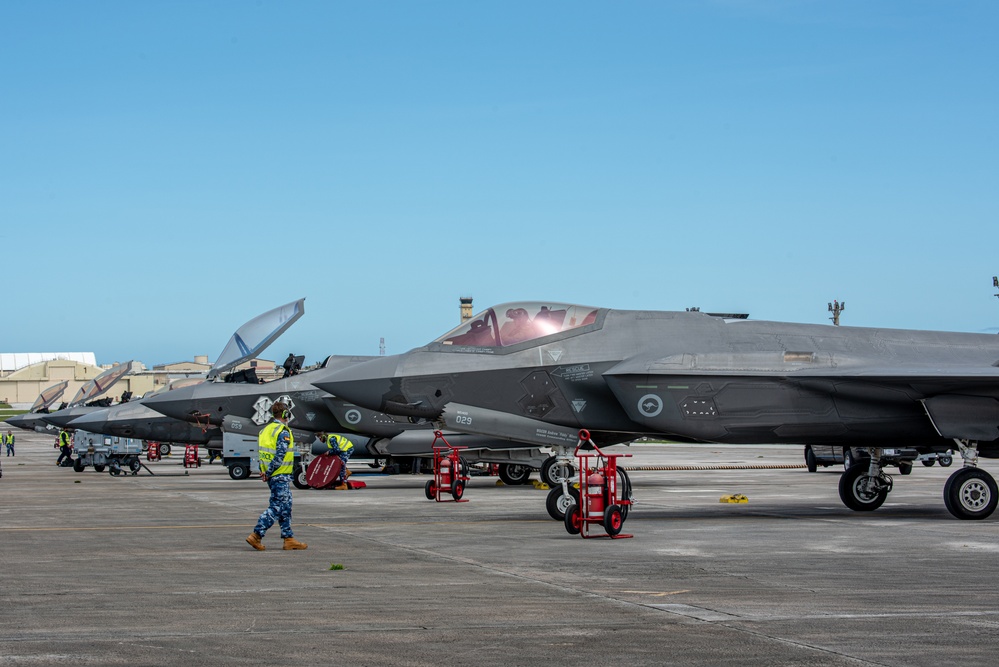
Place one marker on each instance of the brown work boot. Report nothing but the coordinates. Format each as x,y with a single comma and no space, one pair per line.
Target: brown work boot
290,543
254,541
341,487
347,473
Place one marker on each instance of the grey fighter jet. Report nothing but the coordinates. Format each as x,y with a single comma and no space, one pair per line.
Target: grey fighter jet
539,372
375,435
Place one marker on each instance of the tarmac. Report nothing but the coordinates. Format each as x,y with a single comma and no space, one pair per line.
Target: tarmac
154,570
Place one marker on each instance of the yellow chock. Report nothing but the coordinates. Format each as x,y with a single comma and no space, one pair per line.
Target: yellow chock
736,498
499,482
538,484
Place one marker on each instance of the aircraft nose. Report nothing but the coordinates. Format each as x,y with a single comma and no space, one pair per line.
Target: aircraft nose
62,418
21,421
176,403
94,422
369,384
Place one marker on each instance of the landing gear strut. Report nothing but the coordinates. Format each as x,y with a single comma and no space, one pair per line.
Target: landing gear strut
865,486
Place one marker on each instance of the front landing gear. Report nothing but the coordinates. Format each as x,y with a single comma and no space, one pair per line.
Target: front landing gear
970,493
864,488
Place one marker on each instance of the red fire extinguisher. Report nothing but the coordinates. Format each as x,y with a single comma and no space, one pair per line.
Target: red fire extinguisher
595,495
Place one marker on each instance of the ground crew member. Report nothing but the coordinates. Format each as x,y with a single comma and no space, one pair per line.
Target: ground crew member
276,452
9,441
343,448
65,446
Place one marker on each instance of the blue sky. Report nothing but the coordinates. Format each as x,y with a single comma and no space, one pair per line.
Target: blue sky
168,170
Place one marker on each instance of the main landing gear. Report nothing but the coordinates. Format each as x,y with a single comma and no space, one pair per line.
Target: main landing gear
970,493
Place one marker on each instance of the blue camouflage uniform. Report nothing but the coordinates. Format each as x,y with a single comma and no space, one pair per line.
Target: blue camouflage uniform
279,474
343,448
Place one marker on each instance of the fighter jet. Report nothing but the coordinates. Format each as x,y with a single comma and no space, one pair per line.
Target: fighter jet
375,435
540,372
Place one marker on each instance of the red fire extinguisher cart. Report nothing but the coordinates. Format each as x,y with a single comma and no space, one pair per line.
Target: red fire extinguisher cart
599,500
449,477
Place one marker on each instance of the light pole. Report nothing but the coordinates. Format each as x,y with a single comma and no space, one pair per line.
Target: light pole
836,308
995,283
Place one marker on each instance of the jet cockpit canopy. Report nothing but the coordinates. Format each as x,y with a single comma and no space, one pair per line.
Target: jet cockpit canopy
513,323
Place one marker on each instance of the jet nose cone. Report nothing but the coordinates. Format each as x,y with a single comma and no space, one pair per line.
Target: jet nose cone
370,384
24,421
176,403
62,418
95,422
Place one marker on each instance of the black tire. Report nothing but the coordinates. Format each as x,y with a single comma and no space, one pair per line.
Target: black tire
375,463
971,493
113,468
549,472
573,520
810,461
856,498
457,489
134,465
613,520
78,465
928,462
945,461
99,467
164,449
431,490
623,491
904,467
298,478
514,474
557,503
239,471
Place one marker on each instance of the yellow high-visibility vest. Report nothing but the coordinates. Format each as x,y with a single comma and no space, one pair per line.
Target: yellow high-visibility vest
338,443
64,439
267,449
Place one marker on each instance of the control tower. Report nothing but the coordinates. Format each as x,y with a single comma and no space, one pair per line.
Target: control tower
466,308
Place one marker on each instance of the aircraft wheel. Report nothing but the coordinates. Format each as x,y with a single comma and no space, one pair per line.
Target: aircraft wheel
239,471
945,461
514,474
971,493
810,461
557,503
904,468
553,472
164,449
928,462
431,490
573,520
859,491
458,489
298,479
135,465
78,465
99,467
613,520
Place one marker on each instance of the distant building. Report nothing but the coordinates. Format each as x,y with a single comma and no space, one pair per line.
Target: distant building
14,361
21,387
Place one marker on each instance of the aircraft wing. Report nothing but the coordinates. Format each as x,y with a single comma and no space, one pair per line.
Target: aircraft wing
49,396
253,337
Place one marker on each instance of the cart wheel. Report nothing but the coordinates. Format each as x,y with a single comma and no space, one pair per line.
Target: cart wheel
113,468
623,491
431,490
99,467
557,502
458,489
928,462
573,520
239,471
164,449
514,474
613,520
299,478
134,465
944,461
78,465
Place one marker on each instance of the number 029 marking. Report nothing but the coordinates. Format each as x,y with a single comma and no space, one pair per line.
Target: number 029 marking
463,420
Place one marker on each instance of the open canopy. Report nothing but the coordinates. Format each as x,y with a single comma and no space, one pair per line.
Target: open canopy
100,384
49,396
253,337
512,323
